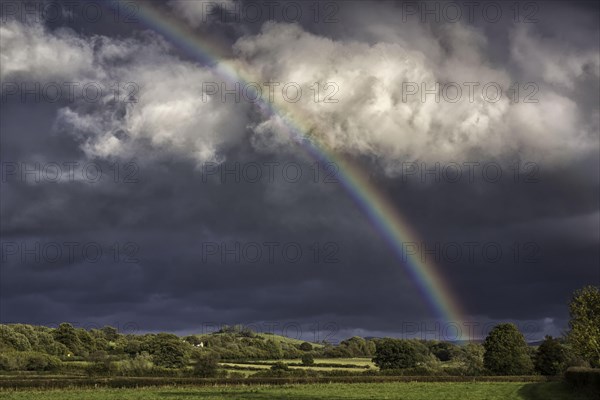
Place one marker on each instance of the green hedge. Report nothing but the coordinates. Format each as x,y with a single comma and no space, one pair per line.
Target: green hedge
164,381
583,378
28,361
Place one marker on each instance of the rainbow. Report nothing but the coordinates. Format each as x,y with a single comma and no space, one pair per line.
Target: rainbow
381,213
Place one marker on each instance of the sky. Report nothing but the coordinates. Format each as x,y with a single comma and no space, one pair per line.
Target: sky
182,165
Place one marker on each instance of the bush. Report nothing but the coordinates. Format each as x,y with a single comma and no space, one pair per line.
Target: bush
169,351
15,340
138,366
305,346
207,365
28,361
471,357
8,362
98,369
98,356
444,351
34,361
280,366
583,378
395,354
308,359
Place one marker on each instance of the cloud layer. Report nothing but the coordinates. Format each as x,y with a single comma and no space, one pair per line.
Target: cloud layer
377,105
159,119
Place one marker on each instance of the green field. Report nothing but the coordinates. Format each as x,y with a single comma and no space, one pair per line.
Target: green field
357,361
321,364
358,391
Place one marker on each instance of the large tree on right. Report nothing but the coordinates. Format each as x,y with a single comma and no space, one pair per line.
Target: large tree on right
584,335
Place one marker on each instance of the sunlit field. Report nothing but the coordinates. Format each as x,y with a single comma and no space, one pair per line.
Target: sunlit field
378,391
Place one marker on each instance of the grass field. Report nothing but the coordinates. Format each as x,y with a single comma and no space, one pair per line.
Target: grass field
327,365
357,391
359,362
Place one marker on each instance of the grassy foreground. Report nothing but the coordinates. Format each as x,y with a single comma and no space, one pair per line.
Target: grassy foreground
337,391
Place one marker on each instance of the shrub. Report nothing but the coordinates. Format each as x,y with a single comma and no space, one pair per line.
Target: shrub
34,361
99,369
98,356
395,354
308,359
138,366
280,366
584,378
15,340
305,346
169,351
28,361
207,365
67,335
471,357
444,351
8,362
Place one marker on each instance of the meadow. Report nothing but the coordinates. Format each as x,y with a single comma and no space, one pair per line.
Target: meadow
334,391
350,365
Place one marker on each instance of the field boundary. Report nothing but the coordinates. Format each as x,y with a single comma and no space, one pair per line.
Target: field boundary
133,382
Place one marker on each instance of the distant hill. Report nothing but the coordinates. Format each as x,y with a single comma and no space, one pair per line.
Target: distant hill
235,343
285,339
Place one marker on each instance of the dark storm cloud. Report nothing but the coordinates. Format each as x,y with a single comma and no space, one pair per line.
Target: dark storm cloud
162,222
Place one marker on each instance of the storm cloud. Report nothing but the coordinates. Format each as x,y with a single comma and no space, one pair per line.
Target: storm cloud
166,204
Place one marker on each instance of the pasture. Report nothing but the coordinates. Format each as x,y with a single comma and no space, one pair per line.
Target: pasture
336,391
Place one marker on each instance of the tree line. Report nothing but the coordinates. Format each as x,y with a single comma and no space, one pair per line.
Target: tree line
106,351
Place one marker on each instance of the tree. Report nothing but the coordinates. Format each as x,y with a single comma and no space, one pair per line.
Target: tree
207,364
169,351
280,366
67,335
13,340
355,347
472,357
34,361
506,352
110,333
444,351
193,340
550,357
584,335
274,349
395,354
132,347
305,346
307,359
88,345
